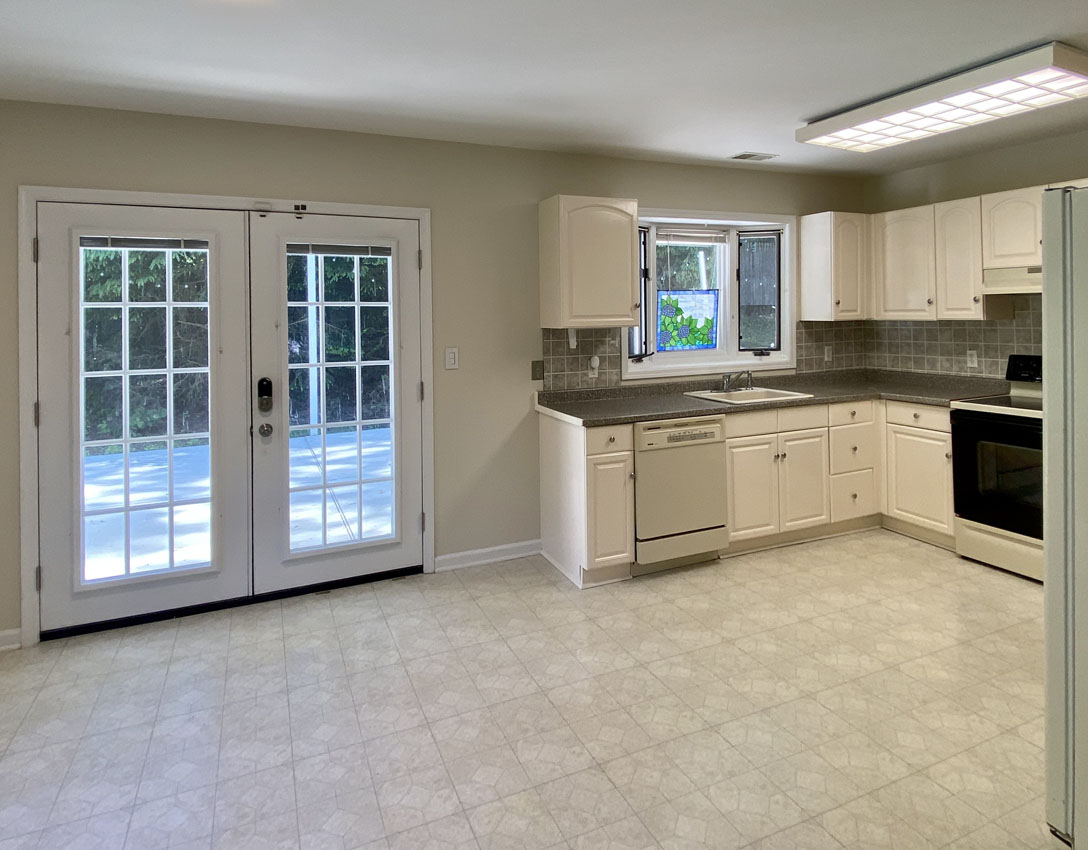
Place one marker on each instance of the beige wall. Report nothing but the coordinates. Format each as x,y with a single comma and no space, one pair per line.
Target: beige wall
1033,164
483,202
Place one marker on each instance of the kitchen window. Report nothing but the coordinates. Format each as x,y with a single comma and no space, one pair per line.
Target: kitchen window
716,297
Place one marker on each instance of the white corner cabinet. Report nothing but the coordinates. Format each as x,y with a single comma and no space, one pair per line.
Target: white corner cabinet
587,500
834,267
588,262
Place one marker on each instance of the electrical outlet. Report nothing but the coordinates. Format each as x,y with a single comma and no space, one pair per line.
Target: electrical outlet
537,370
972,359
827,353
453,358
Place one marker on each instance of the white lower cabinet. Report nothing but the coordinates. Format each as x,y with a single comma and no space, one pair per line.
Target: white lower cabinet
610,509
752,469
777,483
854,495
919,475
803,479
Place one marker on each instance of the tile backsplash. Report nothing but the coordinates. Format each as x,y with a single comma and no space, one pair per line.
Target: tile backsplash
567,368
938,347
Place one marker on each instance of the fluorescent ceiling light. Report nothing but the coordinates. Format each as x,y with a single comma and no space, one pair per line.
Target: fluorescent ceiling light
1027,81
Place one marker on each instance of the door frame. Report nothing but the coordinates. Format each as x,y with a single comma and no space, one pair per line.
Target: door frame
29,197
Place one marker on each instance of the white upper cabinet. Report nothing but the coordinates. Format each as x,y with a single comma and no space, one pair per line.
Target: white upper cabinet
904,278
958,250
834,266
588,262
1012,228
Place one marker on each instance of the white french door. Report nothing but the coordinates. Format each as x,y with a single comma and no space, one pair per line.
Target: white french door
170,474
143,444
337,477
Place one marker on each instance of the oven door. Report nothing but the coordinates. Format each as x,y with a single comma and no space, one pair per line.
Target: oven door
997,470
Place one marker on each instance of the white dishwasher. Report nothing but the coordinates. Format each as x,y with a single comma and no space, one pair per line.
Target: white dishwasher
680,489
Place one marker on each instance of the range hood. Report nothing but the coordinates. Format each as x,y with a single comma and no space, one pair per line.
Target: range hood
1022,279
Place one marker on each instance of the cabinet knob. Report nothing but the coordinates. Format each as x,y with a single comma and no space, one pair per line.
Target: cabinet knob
854,496
638,304
855,450
853,413
917,415
837,302
777,457
977,298
783,455
612,439
929,301
948,455
632,476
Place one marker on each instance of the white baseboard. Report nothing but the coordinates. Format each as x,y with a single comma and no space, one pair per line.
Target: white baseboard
490,555
10,639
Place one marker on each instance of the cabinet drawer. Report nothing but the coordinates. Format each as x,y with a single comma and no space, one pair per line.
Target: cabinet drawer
919,415
854,447
853,495
802,418
850,412
610,438
751,424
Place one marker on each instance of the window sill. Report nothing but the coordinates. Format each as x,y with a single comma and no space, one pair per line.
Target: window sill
631,371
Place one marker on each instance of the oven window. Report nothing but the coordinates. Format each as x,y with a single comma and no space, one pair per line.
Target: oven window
1010,474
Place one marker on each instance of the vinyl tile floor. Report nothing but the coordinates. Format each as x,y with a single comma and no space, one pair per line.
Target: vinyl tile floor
867,691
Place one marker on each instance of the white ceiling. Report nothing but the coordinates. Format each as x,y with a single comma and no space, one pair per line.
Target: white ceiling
681,80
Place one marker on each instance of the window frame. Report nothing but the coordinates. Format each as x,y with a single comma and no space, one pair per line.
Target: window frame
728,356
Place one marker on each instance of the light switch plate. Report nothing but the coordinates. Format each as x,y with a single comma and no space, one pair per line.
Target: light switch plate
537,370
453,358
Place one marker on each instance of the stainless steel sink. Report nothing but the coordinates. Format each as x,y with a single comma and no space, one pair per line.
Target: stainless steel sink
748,396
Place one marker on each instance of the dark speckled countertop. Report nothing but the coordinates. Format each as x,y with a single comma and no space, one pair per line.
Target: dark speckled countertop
622,405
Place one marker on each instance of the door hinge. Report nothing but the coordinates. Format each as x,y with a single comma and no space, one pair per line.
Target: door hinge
423,522
422,391
37,414
35,249
419,258
38,577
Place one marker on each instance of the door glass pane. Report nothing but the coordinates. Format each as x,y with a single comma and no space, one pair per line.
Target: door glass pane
340,315
145,405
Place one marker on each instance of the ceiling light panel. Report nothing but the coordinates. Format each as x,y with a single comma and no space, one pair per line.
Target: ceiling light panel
1038,78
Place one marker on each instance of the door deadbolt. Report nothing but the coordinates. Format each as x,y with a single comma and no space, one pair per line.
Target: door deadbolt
264,397
265,430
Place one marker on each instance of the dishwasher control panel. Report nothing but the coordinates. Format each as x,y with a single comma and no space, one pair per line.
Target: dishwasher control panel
677,433
688,436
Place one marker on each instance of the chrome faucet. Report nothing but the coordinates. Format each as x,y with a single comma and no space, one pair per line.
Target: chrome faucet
729,378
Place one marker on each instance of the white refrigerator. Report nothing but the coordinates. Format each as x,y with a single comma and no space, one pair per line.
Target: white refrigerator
1065,506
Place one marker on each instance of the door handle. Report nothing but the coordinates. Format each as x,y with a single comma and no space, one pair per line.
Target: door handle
264,395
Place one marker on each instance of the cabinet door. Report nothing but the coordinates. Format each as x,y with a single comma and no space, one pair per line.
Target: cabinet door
599,261
752,495
957,227
903,264
610,509
803,483
919,475
1012,228
849,264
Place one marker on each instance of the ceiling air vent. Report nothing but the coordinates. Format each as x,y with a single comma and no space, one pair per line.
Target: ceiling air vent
751,156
